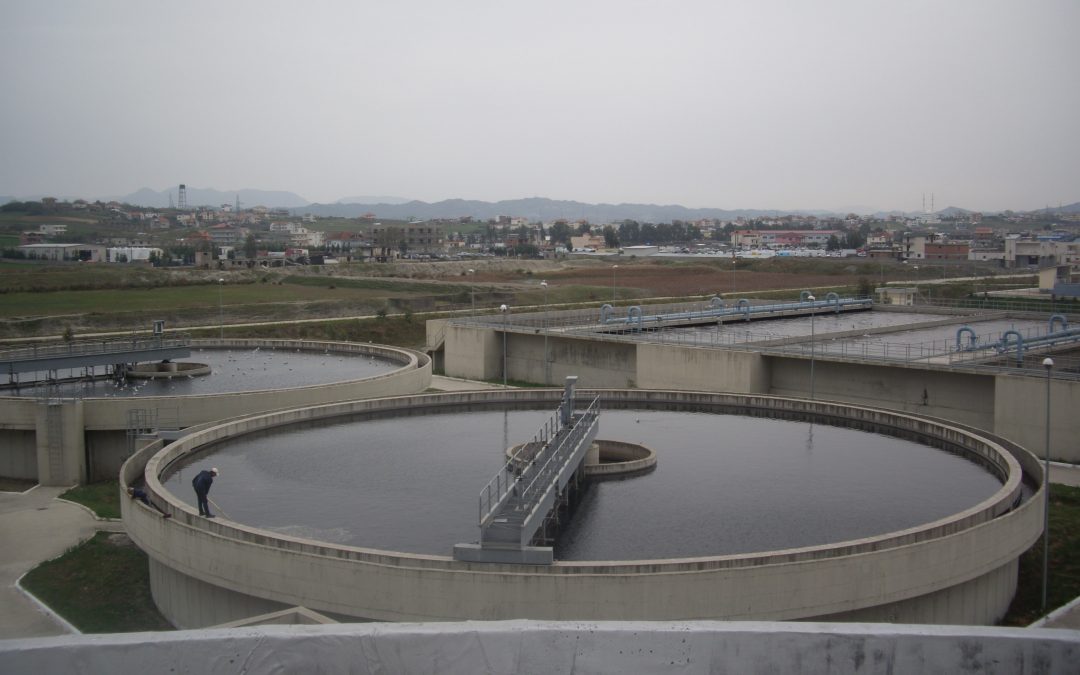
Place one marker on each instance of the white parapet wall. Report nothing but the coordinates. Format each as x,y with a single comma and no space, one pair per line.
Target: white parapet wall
960,569
550,648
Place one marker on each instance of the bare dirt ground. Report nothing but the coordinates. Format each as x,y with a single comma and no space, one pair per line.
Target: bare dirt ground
662,278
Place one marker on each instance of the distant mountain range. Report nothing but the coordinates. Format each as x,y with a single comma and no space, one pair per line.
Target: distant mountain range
535,209
1068,208
373,200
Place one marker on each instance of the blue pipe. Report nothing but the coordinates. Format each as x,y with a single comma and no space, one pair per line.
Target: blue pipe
833,297
605,313
1019,345
633,312
744,305
969,330
1054,318
716,302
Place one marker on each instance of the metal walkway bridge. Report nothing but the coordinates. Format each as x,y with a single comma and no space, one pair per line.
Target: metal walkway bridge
45,358
515,503
717,311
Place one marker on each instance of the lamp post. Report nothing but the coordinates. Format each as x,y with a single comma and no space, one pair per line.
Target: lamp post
813,312
472,291
505,311
1048,363
734,261
613,268
221,308
544,285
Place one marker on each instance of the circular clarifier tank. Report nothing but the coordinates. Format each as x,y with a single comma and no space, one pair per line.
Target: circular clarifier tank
226,371
724,484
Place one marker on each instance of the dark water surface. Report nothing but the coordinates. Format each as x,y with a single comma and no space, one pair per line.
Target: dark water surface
724,484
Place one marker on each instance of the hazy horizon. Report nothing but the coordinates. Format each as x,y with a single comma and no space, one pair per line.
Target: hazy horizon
740,105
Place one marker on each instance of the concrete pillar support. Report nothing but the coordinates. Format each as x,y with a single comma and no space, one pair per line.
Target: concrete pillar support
61,447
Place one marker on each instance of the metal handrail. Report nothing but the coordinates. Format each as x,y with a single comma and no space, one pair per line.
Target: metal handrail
581,425
507,479
84,348
555,461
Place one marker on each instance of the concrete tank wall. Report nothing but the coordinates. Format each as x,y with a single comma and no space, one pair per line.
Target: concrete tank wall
1010,405
18,458
682,367
961,397
1020,407
107,451
413,376
960,569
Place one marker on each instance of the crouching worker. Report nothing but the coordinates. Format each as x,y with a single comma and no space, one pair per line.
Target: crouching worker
202,483
140,494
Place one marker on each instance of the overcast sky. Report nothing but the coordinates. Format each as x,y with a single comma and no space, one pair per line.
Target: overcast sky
738,104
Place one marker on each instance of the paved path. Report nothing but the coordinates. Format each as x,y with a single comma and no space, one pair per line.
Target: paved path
443,383
34,527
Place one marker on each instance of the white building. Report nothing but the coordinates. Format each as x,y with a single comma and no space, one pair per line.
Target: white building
64,252
131,253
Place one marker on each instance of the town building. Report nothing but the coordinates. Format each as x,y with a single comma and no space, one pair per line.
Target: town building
64,252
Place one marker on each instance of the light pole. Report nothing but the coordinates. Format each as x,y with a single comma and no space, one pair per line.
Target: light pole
472,292
221,308
734,261
813,312
613,268
544,285
505,311
1048,363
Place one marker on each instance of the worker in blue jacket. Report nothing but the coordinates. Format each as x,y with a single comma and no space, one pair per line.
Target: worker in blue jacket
202,483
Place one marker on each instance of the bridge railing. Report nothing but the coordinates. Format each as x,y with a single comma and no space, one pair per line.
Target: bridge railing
548,462
91,347
518,476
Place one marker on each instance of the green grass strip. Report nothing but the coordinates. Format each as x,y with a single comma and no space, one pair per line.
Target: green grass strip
102,498
1064,564
99,586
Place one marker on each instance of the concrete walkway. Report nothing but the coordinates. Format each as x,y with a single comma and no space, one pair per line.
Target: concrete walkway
35,527
443,383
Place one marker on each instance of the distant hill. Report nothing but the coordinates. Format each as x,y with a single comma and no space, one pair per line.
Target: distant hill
211,197
373,200
1067,208
4,199
953,211
536,209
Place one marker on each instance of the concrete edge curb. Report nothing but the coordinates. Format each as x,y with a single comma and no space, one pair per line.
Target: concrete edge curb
1057,613
89,510
45,609
24,492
